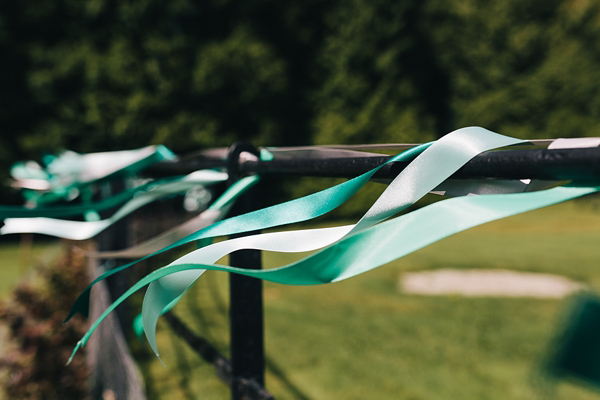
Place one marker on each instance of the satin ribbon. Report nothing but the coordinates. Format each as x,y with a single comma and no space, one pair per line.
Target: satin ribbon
424,173
69,173
70,168
74,209
214,213
289,212
166,292
372,247
81,230
384,211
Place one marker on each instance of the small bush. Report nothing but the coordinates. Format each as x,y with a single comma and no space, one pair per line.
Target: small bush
34,365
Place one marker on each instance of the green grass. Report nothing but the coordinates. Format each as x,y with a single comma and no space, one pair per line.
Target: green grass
17,263
362,339
18,259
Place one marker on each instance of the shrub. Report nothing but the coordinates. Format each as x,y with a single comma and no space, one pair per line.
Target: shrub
34,365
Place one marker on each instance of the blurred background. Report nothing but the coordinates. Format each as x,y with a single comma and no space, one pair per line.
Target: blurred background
99,75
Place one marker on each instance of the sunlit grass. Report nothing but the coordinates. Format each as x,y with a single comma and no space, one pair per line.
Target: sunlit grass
363,339
18,258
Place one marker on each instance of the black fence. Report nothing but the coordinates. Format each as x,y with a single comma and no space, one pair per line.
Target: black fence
244,373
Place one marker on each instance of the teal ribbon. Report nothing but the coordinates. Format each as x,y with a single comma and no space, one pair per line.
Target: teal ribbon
71,172
382,243
466,143
209,216
80,230
424,173
80,209
297,210
421,176
68,210
218,209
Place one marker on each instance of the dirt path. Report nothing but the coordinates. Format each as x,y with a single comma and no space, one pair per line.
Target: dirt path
487,283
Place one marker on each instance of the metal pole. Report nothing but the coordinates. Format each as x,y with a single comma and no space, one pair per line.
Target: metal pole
246,302
545,164
553,164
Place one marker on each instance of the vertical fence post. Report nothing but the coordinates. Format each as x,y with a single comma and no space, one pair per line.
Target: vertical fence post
113,371
245,293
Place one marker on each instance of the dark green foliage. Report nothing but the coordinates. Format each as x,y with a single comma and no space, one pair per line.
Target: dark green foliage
104,74
34,364
522,68
110,75
381,80
98,75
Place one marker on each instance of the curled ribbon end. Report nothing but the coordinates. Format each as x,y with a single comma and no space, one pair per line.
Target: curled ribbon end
160,359
79,345
81,305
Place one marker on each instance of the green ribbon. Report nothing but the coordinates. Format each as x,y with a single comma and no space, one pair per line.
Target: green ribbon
212,214
217,210
80,230
73,209
382,243
293,211
324,201
424,173
70,173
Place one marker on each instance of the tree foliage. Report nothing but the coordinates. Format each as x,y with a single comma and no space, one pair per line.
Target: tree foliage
522,68
97,75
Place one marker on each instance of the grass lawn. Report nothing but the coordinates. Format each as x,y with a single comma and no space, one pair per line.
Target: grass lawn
363,339
18,259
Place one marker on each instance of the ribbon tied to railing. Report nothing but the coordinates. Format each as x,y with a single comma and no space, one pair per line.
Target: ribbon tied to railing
346,251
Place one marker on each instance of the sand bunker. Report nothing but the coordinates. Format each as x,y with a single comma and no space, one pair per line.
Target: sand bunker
487,283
